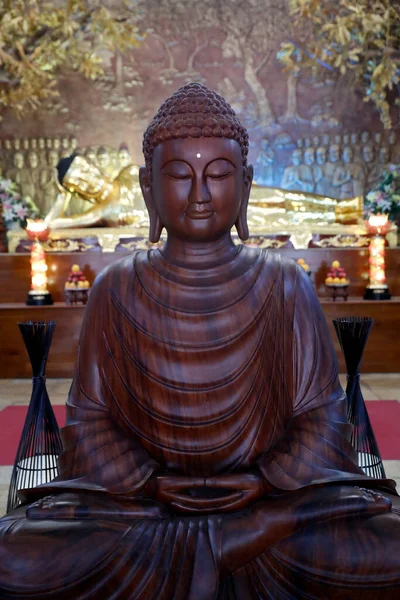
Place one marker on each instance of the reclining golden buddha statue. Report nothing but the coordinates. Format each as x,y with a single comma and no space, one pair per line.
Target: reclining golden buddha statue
118,202
206,454
110,202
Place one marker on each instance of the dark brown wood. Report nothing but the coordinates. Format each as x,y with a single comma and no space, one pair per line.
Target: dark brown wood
206,454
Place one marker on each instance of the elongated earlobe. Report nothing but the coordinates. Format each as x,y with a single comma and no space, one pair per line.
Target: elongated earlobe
241,224
156,226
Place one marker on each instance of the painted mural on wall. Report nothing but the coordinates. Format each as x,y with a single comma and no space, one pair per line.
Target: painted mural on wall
305,135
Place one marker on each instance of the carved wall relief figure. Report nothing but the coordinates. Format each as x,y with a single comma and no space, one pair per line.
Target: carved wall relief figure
349,176
394,147
291,179
319,171
91,155
370,172
379,168
378,139
33,164
264,167
326,140
333,163
124,157
306,171
65,149
42,152
48,182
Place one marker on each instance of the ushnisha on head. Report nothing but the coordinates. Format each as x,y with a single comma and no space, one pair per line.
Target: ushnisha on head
196,178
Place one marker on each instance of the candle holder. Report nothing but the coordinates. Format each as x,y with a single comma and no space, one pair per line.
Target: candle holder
377,289
40,444
38,295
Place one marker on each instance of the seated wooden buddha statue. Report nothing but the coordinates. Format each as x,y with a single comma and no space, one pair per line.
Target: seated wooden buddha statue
206,452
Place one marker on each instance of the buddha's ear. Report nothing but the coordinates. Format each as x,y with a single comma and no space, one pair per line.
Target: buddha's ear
241,224
147,191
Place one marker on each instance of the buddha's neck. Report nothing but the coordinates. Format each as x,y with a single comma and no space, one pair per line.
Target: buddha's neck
199,255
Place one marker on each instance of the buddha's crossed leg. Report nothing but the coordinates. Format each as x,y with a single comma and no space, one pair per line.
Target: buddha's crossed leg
349,558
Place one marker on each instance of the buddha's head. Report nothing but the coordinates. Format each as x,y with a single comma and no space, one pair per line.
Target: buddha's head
18,160
368,154
196,182
365,137
334,153
103,158
309,156
77,174
347,154
53,158
33,160
321,155
124,157
297,157
384,155
326,139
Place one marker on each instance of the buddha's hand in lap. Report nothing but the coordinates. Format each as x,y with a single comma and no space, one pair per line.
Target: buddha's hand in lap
252,532
76,506
199,495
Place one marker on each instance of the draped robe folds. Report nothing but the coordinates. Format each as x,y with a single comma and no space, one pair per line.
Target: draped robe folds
200,373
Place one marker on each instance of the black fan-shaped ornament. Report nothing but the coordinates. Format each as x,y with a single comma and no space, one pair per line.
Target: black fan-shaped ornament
353,334
40,444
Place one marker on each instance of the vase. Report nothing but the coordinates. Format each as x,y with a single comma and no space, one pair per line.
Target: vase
40,446
353,333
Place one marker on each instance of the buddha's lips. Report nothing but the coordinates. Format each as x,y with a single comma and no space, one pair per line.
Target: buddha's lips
197,210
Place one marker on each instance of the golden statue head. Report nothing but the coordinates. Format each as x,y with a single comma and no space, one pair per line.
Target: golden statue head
78,174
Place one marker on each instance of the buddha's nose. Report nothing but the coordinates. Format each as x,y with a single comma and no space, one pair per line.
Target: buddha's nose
199,194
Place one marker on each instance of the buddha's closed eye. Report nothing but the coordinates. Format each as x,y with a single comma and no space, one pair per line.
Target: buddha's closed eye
220,169
177,170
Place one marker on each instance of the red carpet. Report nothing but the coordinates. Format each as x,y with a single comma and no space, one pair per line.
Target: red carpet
384,415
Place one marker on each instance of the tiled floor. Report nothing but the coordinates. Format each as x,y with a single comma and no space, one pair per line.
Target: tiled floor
375,386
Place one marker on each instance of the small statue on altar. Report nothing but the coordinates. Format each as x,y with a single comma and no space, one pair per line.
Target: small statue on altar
76,287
